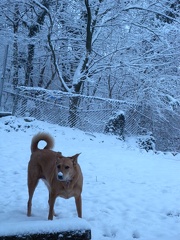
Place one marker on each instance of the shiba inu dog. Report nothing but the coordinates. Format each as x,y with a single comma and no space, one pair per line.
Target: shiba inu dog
62,175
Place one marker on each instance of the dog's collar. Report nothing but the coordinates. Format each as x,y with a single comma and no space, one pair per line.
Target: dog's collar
66,181
66,184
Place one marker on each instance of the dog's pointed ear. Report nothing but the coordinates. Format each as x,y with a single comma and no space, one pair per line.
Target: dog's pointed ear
74,158
59,154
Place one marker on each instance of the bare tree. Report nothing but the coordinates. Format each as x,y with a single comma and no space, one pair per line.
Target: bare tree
128,50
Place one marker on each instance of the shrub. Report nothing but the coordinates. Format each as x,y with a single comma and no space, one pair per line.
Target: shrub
116,124
146,142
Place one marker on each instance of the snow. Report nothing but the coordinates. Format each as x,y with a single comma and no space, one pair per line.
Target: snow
128,193
25,227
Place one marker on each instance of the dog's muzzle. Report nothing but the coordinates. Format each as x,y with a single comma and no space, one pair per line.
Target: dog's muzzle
60,176
63,178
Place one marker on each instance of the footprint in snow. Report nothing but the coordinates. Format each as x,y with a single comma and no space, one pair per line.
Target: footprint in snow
136,234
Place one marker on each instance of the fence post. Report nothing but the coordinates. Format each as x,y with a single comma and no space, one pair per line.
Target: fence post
3,72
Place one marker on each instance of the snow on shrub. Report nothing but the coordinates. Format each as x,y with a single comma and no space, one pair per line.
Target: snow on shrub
116,124
146,142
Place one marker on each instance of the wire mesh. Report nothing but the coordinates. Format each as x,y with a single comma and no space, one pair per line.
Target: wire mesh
90,114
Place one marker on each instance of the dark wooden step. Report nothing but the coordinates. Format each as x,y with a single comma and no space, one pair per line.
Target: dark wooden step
47,230
69,235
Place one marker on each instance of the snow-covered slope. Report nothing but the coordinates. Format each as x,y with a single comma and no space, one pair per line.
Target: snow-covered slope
128,193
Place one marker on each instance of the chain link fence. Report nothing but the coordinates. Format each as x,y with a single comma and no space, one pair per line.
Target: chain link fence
92,114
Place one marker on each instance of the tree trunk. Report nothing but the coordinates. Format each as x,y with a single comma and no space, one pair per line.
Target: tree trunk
29,70
33,30
75,101
15,46
73,111
15,63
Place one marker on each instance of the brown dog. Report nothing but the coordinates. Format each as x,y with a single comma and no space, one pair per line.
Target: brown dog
62,175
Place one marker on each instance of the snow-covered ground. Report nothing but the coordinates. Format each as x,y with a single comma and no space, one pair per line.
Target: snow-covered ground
128,193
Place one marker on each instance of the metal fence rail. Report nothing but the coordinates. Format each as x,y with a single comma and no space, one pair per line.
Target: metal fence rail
89,114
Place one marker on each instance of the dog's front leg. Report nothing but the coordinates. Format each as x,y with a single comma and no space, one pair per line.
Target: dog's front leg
52,198
29,204
78,201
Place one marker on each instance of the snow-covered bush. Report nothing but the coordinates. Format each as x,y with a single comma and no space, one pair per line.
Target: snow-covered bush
116,124
146,142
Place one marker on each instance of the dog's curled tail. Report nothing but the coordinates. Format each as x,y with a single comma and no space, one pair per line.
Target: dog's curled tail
42,137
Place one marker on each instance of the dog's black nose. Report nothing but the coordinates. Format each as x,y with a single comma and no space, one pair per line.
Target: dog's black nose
60,177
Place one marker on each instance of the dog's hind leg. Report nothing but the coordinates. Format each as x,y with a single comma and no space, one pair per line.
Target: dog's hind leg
52,198
78,202
32,183
49,189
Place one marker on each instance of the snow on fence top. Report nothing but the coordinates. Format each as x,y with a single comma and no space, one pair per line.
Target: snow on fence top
47,94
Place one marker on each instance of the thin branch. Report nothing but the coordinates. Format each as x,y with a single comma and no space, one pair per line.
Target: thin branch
52,47
150,10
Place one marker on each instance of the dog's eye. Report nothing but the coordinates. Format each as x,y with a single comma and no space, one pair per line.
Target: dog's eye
66,167
58,166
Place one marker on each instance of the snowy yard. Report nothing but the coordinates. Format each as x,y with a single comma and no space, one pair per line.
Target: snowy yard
127,194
